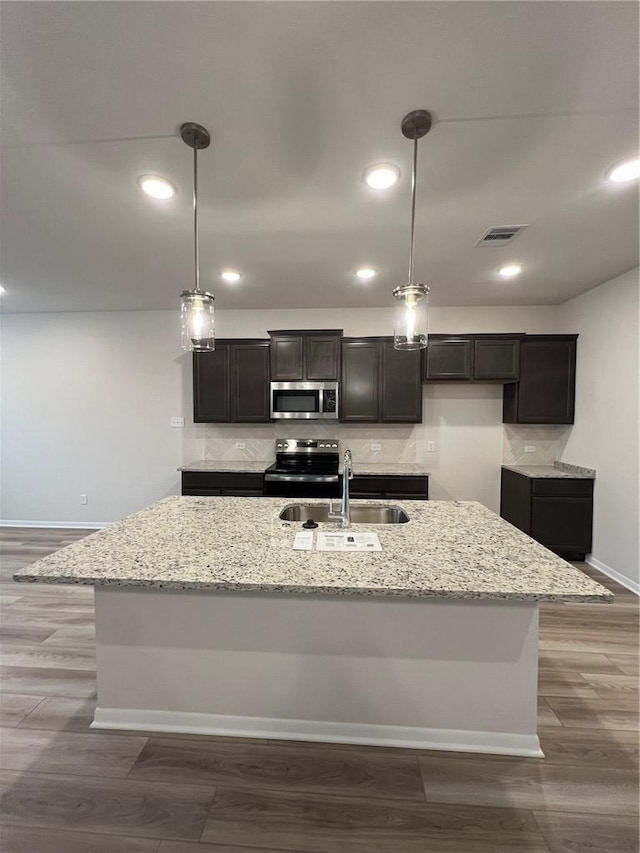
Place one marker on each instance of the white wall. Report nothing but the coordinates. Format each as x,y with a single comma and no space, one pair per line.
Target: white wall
605,434
86,403
87,399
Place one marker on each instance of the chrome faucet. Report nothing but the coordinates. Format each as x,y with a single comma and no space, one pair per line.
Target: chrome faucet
344,514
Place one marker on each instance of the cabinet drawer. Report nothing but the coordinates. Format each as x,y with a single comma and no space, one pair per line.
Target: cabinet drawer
562,488
215,481
407,487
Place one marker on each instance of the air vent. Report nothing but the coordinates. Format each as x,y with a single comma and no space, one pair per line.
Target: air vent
500,236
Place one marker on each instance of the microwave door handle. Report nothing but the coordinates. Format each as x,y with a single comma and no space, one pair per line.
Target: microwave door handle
321,401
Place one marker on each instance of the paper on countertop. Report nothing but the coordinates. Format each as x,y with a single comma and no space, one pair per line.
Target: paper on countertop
348,541
303,541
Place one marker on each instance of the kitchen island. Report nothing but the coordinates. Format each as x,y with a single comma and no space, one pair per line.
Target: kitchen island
208,622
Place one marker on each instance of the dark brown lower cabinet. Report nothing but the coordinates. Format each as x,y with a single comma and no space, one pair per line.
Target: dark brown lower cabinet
215,483
241,484
558,513
396,487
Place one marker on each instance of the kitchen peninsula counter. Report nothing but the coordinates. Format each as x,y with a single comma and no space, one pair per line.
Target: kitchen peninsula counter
207,622
449,549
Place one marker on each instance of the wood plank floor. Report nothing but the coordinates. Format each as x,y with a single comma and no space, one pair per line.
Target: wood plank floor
67,789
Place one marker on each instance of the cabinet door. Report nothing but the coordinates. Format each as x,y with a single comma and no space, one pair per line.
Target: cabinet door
563,524
401,385
359,388
496,359
321,356
449,359
211,377
545,393
286,358
250,382
515,500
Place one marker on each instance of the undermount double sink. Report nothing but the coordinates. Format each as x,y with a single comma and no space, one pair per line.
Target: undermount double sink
359,514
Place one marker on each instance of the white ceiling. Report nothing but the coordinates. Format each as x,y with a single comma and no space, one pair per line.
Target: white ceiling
532,101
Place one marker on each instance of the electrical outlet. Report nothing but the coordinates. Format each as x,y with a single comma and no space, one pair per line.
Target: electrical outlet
177,422
529,448
431,446
239,445
83,500
376,446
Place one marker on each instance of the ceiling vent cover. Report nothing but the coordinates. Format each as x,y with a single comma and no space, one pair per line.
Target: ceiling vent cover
500,235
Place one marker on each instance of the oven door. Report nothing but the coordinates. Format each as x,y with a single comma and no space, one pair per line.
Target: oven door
297,400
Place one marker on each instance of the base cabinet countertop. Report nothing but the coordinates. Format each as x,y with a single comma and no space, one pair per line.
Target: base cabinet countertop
552,504
364,469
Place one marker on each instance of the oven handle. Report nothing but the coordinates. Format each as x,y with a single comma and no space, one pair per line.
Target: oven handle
301,478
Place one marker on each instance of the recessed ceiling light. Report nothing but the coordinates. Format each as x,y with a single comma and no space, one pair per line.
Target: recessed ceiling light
365,273
510,270
382,176
628,170
230,275
156,187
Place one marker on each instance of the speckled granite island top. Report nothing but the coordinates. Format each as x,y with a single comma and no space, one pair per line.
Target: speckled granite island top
449,549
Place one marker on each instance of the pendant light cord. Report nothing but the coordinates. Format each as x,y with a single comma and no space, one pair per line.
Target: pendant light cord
195,215
413,207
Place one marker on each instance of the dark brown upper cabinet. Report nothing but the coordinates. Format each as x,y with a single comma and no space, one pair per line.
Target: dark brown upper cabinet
496,359
379,384
545,393
231,384
448,357
305,355
481,358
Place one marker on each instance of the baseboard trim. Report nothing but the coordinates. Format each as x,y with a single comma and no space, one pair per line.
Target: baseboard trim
69,525
624,581
493,743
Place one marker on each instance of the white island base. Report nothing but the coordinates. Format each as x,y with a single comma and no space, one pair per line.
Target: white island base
424,673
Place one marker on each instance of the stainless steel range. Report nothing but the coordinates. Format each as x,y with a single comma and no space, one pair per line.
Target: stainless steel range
304,468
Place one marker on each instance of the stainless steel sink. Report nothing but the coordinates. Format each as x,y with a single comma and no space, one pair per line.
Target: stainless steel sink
359,514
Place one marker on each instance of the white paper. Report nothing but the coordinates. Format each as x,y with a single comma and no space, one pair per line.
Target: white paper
348,541
303,541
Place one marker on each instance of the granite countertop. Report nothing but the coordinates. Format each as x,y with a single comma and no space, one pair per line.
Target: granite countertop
449,549
390,469
227,466
558,471
400,469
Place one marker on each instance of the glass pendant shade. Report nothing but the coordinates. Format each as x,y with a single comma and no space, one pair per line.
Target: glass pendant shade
197,321
410,326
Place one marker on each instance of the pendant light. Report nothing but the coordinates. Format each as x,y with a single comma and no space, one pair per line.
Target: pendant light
196,305
410,328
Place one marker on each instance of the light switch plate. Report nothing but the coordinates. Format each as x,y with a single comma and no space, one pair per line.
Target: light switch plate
177,422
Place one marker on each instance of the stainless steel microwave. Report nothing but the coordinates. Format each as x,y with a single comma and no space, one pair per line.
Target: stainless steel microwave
304,400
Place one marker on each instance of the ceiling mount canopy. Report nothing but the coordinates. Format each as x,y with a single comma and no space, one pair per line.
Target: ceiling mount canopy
196,305
410,330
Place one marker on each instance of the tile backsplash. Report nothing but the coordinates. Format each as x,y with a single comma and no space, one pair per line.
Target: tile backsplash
548,440
396,443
